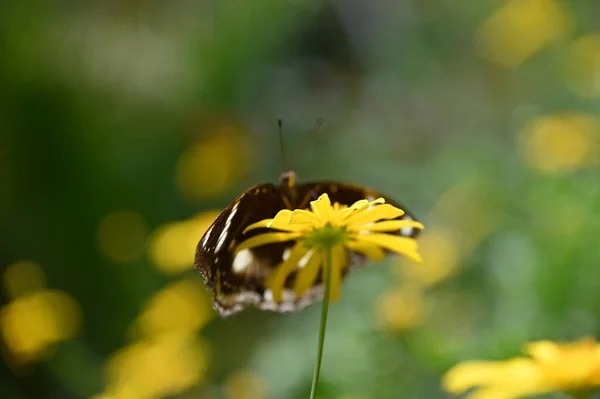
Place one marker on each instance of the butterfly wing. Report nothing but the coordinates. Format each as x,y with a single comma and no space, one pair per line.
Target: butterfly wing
238,281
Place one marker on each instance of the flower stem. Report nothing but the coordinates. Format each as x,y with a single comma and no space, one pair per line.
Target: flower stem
322,328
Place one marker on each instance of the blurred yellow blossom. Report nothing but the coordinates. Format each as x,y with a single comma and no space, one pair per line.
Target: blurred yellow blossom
442,248
22,277
440,253
551,367
583,66
521,28
155,367
244,384
467,228
32,323
183,306
172,245
560,142
401,308
211,165
121,236
457,233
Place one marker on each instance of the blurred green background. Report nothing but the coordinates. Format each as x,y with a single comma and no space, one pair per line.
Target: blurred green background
127,125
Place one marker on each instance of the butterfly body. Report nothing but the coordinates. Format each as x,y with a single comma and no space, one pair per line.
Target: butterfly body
238,281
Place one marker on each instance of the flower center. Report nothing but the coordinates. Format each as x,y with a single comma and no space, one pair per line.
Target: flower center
326,237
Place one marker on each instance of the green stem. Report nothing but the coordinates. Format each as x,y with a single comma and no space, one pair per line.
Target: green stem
324,310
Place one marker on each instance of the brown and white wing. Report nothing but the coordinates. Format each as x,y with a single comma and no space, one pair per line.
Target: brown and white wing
239,281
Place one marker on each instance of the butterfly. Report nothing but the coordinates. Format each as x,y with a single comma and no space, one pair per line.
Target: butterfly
237,283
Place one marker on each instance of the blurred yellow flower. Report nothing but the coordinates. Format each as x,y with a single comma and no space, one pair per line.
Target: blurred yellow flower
560,143
172,245
583,66
458,233
183,306
33,323
121,236
440,253
552,367
244,384
163,365
401,309
210,166
521,28
360,227
467,228
23,277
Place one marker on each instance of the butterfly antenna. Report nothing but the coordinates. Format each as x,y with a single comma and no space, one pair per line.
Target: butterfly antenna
314,130
282,147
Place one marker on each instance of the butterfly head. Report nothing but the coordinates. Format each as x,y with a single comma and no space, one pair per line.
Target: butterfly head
288,179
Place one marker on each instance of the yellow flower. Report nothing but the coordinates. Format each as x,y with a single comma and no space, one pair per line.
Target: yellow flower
551,367
401,308
521,28
32,324
171,246
561,142
159,366
244,384
360,227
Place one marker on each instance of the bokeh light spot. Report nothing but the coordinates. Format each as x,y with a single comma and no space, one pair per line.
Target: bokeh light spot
583,66
172,246
183,306
121,236
440,258
244,384
23,277
156,367
401,309
560,143
210,166
521,28
31,324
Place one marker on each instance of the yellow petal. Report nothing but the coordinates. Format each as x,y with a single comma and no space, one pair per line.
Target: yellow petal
266,238
262,224
389,225
337,207
339,261
302,217
402,245
371,251
283,221
339,218
384,211
276,280
516,372
282,217
322,207
357,207
307,275
545,351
